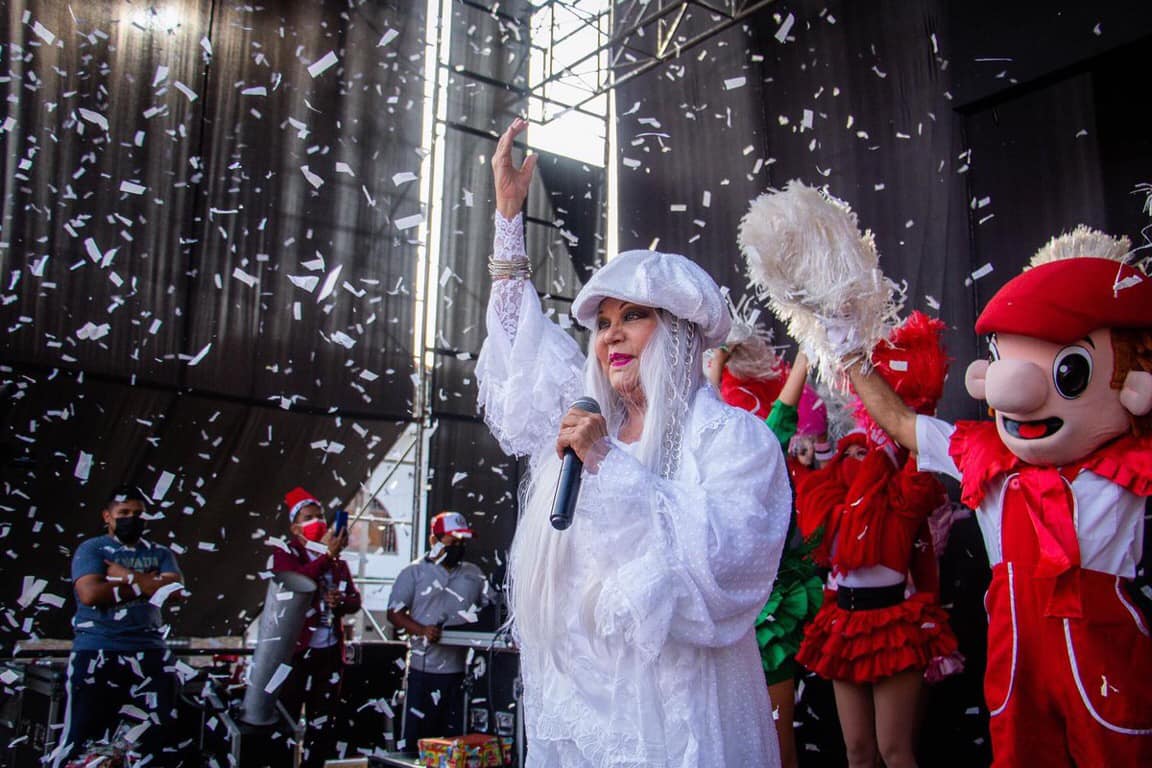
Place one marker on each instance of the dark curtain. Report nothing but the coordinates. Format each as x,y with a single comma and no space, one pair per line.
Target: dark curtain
205,279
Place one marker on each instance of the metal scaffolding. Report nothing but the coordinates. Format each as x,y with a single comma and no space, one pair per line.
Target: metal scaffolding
634,37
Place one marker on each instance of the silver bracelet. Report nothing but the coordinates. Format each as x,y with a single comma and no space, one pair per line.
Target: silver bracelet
505,269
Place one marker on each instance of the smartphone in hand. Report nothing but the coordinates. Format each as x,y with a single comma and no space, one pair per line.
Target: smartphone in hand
340,522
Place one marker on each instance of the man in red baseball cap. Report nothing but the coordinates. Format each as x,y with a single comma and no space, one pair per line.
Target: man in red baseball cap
440,589
1059,481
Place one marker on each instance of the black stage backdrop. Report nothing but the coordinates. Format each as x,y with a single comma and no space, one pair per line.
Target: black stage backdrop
205,285
964,134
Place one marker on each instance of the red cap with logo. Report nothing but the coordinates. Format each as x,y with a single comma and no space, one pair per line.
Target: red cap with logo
1065,300
451,523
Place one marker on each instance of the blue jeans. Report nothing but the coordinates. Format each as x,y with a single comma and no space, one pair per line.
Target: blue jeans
101,682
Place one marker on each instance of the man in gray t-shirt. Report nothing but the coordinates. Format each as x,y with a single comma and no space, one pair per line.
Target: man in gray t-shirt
438,590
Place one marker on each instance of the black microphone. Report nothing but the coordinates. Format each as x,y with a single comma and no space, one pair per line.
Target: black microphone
568,483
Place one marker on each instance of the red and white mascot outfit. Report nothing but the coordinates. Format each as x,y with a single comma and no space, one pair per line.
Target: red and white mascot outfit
1058,481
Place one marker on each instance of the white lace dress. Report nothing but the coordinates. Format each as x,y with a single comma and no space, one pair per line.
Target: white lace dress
658,665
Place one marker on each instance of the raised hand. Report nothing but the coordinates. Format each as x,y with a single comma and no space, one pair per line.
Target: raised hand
511,182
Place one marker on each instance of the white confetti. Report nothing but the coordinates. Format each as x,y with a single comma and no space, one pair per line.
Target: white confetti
188,92
388,36
344,168
306,282
132,189
83,466
33,587
244,277
200,355
93,250
163,483
403,177
407,222
1128,282
161,595
278,678
343,339
984,271
785,27
329,284
732,83
318,68
46,35
91,332
256,90
313,179
94,117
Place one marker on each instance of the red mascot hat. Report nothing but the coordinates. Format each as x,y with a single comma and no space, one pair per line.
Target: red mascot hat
1071,293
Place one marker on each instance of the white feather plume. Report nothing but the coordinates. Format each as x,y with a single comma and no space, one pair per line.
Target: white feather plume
820,274
1080,242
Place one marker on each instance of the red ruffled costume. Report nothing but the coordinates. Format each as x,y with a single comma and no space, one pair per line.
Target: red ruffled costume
875,512
879,517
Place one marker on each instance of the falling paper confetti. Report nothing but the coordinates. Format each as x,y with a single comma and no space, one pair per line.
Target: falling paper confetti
320,67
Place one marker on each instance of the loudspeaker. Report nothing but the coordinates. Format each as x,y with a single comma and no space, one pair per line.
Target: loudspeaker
368,718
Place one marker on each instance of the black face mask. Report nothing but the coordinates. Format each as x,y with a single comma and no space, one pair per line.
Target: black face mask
453,555
128,529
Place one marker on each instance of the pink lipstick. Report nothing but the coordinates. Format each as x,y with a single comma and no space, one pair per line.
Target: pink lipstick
617,359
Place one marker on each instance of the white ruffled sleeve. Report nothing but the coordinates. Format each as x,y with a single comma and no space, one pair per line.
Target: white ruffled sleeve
529,370
695,560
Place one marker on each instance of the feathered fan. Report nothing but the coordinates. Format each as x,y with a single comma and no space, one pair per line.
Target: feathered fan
821,276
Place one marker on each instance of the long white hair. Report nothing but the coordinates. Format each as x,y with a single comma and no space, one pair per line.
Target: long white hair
670,376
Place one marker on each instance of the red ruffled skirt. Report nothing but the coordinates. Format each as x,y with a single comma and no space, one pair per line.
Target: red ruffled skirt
866,646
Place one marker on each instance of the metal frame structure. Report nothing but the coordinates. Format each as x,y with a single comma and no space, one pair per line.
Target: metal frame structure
672,26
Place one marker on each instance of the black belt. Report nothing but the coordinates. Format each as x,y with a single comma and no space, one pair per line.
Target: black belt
869,598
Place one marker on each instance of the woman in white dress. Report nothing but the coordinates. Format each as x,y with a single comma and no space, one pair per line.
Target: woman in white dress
636,624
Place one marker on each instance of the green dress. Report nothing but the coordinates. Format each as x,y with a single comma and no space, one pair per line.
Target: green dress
798,591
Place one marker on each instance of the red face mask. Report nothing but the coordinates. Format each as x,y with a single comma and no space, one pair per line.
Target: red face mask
314,530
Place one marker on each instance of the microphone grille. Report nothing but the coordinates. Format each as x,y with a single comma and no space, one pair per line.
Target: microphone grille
587,404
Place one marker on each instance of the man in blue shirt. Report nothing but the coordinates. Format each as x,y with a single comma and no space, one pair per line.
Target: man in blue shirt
120,656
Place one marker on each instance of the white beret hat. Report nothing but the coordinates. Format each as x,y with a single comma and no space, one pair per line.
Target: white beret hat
666,281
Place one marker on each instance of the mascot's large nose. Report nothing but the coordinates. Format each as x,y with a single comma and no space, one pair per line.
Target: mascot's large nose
1016,386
